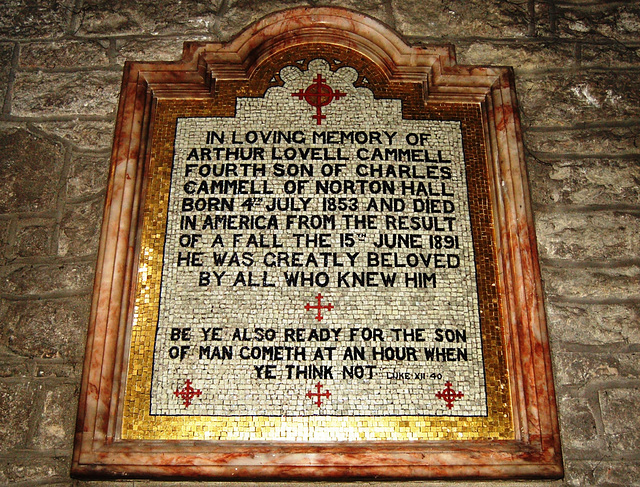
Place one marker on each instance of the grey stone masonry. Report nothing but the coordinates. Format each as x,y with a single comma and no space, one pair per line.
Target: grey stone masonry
577,68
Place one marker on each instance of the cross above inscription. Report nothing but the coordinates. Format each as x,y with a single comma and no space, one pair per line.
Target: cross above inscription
318,95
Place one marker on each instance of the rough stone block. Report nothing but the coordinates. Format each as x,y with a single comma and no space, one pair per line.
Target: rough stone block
601,235
57,368
38,279
622,474
563,99
585,181
594,324
544,12
27,175
29,19
377,9
621,419
47,328
33,237
6,55
12,366
148,50
579,430
16,409
63,54
35,470
86,135
619,21
80,228
122,17
450,18
522,57
595,283
240,13
87,175
6,248
609,55
580,368
609,141
37,94
56,423
602,472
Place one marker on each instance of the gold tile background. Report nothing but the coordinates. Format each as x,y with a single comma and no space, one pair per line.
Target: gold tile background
138,424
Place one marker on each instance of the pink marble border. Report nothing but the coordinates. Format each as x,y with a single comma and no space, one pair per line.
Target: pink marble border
535,453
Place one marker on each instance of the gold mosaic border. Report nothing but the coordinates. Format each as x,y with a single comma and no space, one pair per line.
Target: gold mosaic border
138,424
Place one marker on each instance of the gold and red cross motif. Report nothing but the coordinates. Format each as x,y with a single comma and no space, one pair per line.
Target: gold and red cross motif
318,394
319,307
449,394
318,95
188,393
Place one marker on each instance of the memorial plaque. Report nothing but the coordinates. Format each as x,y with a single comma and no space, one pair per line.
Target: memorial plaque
317,261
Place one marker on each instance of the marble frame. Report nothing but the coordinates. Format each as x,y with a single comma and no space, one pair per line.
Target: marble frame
534,453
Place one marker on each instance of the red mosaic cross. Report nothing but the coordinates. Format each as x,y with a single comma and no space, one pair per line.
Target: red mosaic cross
318,394
318,95
449,394
187,393
319,307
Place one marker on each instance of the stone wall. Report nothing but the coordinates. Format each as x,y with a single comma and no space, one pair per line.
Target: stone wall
577,65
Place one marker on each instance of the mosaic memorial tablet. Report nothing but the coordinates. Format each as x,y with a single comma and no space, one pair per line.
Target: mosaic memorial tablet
317,262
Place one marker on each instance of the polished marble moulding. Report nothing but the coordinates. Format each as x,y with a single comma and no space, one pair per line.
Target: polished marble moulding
324,128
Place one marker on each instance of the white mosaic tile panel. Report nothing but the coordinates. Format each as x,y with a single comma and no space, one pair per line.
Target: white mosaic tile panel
318,261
